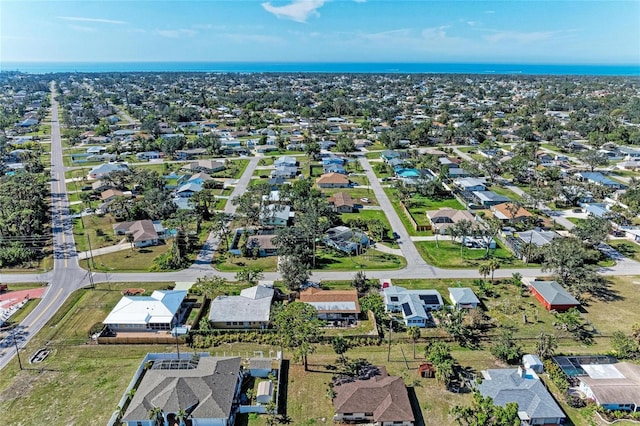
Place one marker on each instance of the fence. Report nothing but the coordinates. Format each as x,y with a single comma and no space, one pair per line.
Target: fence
413,222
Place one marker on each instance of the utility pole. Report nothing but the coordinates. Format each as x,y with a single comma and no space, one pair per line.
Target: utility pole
15,342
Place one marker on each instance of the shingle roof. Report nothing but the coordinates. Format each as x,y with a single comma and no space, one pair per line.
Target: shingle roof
340,199
507,385
209,389
384,396
332,178
463,295
326,301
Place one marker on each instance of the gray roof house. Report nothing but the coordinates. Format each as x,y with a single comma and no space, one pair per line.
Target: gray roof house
251,309
552,295
490,198
207,388
463,298
414,304
524,387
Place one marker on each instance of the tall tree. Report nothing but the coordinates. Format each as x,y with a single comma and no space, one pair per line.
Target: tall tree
294,273
483,412
298,329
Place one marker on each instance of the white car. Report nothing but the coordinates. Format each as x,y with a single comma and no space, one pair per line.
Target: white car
365,200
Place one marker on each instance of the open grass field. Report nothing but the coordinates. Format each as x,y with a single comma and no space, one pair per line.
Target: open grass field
98,228
371,215
356,193
447,255
136,260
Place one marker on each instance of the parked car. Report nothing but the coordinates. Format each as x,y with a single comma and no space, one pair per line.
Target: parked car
365,200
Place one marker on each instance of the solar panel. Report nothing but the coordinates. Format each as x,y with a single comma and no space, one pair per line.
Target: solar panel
429,299
175,364
406,309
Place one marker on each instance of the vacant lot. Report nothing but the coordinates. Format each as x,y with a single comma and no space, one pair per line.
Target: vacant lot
448,255
129,260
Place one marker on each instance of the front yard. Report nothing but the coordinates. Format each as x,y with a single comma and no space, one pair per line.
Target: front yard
447,255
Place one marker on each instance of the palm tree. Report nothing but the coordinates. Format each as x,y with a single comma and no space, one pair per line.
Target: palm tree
484,270
181,416
155,414
413,333
493,264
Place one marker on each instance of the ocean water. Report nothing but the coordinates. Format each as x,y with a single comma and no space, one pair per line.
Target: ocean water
323,67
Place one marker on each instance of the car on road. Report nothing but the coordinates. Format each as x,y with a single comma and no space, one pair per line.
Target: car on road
396,236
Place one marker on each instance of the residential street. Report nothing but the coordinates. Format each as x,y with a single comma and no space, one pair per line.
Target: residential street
67,276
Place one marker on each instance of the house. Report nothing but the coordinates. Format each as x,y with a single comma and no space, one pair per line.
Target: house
285,161
260,367
519,242
100,186
381,400
96,149
160,311
145,232
389,155
552,295
629,152
333,180
206,387
598,178
414,304
28,122
275,215
510,212
489,198
265,245
285,172
457,172
111,194
346,240
332,160
188,189
207,166
536,406
338,306
470,184
463,298
188,154
341,202
446,217
251,309
149,155
103,170
612,386
334,168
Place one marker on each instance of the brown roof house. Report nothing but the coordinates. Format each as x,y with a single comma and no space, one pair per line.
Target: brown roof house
341,202
510,212
333,305
333,180
445,217
381,400
612,386
145,232
206,166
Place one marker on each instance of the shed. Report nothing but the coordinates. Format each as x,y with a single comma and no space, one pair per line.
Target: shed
427,370
532,362
264,395
552,295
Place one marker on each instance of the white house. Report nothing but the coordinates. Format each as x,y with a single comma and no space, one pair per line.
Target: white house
160,311
463,298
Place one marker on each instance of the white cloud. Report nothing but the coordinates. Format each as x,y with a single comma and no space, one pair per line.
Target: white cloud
435,33
298,10
96,20
519,37
182,32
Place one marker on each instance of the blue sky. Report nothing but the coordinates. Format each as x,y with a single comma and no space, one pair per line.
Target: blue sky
548,32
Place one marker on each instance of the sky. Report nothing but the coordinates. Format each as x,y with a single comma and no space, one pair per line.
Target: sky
414,31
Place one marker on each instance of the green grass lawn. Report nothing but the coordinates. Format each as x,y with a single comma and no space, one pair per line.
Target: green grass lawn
228,263
356,193
329,260
505,192
627,248
447,255
135,260
370,215
98,228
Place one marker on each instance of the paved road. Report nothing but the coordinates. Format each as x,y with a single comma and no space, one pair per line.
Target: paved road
67,276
